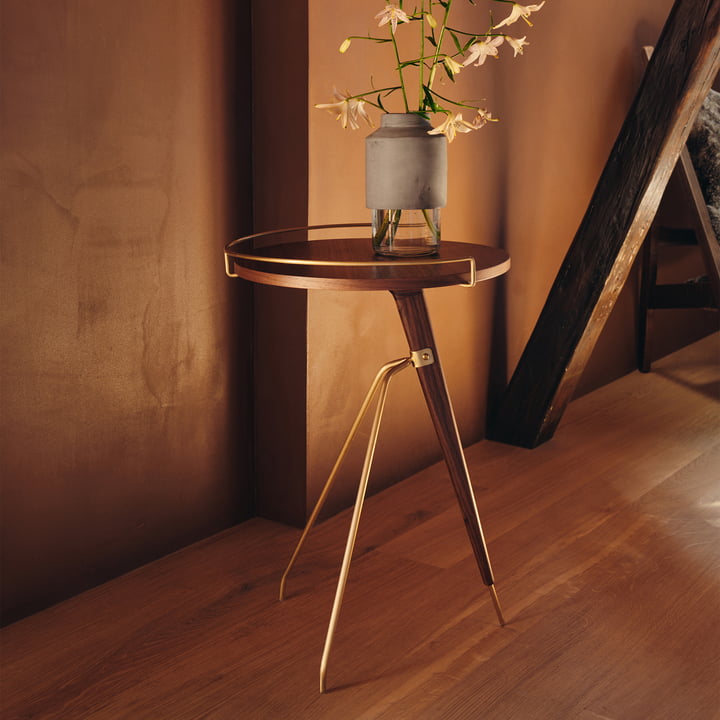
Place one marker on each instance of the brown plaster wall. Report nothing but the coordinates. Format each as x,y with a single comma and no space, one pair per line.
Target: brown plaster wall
123,433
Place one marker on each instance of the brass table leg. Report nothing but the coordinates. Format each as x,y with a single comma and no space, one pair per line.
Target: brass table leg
378,389
416,322
355,522
382,378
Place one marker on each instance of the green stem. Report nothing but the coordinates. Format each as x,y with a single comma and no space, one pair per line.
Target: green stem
395,219
380,234
454,102
387,90
392,217
473,34
433,66
400,72
430,223
369,37
373,91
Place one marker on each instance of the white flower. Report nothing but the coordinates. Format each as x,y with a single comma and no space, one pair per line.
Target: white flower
517,44
392,14
481,50
451,125
453,66
482,118
347,110
357,110
520,11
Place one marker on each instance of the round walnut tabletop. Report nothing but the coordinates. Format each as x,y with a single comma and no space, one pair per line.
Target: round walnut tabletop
341,257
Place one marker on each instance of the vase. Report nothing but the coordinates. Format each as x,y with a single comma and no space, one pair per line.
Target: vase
405,185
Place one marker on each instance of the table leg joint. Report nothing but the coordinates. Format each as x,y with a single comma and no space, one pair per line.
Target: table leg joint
421,358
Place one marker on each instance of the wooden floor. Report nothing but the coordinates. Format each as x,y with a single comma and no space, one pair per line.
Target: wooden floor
606,549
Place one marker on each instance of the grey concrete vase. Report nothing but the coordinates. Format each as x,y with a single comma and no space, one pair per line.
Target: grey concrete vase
405,184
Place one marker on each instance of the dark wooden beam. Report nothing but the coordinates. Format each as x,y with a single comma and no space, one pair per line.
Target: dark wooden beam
678,78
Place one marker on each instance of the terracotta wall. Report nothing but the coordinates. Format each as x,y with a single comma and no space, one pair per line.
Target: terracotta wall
523,183
124,432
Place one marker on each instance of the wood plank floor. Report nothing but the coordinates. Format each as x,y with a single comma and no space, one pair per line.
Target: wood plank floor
606,548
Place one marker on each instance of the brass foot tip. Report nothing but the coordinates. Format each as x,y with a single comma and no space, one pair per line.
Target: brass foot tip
496,605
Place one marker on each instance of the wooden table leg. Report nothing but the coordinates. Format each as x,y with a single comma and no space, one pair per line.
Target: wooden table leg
416,322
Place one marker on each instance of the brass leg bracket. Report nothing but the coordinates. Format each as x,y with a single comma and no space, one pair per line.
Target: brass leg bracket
421,358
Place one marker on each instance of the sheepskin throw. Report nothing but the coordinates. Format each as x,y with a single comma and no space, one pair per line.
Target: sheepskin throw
704,147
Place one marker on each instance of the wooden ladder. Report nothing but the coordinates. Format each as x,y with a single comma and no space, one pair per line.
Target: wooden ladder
702,292
623,206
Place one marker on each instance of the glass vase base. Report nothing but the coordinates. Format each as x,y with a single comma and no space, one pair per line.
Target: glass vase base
406,233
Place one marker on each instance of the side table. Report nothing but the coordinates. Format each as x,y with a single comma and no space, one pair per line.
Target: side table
338,257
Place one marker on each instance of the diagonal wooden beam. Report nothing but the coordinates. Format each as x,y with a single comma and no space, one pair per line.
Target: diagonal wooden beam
624,204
